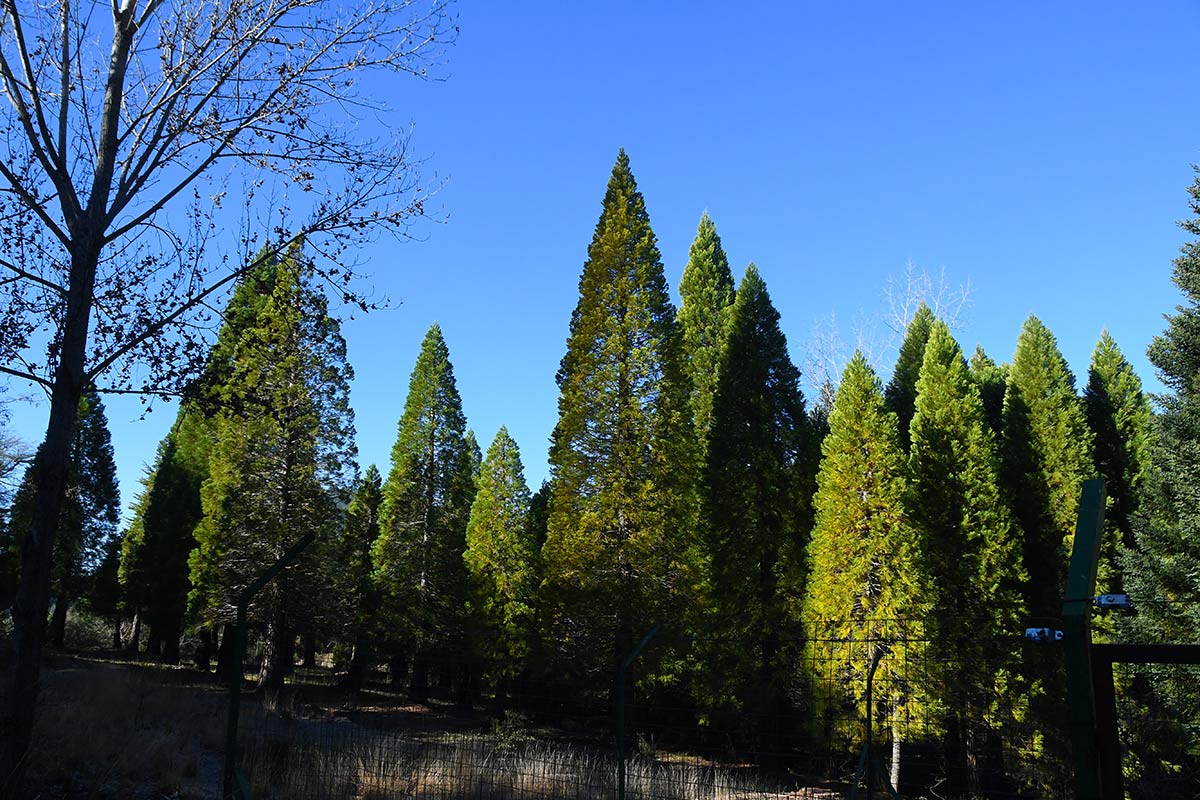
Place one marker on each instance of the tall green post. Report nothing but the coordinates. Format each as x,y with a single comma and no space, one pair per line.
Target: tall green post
1077,639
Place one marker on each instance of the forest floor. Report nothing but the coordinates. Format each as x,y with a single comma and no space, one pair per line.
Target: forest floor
109,727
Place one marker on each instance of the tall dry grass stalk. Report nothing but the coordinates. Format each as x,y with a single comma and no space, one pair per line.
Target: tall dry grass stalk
298,761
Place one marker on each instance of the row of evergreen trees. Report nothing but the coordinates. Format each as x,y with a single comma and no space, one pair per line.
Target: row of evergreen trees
691,488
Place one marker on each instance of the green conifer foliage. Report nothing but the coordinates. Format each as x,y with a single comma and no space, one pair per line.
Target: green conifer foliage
1047,456
90,513
154,556
901,391
967,543
355,587
706,296
502,562
866,592
1120,418
759,479
619,551
280,465
427,499
957,506
1160,571
992,381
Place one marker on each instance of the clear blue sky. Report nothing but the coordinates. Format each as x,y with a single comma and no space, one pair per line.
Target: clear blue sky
1039,151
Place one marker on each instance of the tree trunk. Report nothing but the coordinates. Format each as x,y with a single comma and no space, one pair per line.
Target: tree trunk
278,657
358,666
310,650
397,669
169,641
418,685
135,638
204,651
116,640
58,623
33,589
225,651
894,777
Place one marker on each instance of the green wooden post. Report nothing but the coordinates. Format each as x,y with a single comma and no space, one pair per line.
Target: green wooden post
232,786
1077,639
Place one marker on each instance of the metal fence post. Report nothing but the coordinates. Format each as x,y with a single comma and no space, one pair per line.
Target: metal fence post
1077,639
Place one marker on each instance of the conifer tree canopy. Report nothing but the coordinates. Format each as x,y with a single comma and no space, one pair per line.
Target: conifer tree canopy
618,548
502,560
1160,572
1047,455
427,499
759,479
1120,418
706,294
866,589
901,391
281,464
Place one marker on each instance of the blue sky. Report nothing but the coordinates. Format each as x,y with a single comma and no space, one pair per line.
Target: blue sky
1038,151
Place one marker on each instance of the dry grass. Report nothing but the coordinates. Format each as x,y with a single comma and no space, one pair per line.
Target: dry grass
294,761
117,731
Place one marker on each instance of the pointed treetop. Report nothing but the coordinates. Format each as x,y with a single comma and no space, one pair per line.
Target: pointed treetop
901,392
706,296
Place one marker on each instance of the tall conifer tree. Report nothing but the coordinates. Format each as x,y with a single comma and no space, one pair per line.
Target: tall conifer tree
759,478
154,555
866,592
1160,572
1047,456
90,513
967,545
502,562
901,392
280,467
706,296
427,499
619,552
355,587
1120,418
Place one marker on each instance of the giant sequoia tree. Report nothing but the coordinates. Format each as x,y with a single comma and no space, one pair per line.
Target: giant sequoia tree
759,478
280,466
418,557
130,131
619,547
1047,455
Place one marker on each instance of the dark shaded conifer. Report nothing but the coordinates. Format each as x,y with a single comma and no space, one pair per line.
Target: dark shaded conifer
418,563
901,392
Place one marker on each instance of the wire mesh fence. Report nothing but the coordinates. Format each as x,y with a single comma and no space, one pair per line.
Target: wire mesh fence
941,718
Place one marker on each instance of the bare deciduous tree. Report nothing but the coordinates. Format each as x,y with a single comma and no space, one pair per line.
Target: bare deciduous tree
150,146
827,352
